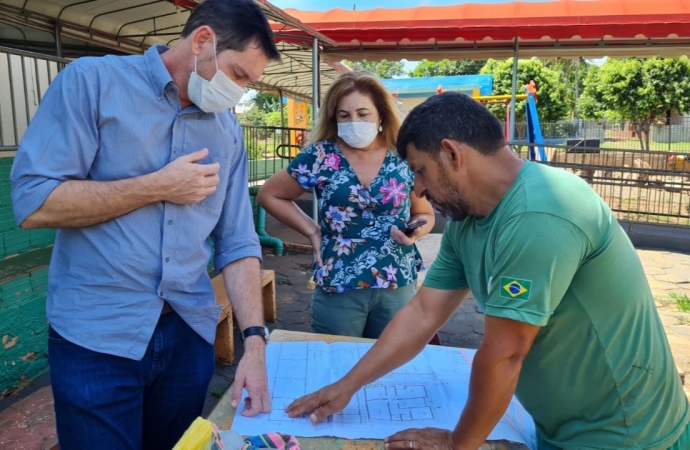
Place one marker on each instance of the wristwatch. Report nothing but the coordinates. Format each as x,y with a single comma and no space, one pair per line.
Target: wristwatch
254,331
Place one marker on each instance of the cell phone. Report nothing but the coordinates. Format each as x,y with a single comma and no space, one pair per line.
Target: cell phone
411,226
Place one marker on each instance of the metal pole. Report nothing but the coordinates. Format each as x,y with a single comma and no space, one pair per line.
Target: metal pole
514,91
316,81
668,122
315,113
577,98
283,138
577,85
282,107
58,43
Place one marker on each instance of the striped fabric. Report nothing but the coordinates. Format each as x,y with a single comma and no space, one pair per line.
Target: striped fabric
271,440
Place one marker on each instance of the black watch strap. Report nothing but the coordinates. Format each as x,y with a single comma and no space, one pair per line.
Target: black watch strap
254,331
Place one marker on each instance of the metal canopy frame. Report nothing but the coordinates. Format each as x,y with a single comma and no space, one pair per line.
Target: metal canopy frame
97,27
436,51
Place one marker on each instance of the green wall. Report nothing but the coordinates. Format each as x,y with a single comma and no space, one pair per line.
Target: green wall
24,258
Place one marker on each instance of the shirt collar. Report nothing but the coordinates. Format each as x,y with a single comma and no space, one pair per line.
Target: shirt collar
158,73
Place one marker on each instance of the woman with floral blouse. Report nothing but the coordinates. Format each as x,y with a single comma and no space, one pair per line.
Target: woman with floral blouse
366,268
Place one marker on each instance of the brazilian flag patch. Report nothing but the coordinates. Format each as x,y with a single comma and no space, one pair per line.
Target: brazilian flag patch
515,288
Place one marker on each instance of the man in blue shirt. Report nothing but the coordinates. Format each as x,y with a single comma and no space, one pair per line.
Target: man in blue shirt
137,161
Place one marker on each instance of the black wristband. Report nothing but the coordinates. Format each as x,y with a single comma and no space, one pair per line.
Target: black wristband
254,331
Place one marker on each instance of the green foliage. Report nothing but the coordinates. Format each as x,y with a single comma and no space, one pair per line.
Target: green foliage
266,102
447,67
254,116
637,90
670,80
382,69
574,73
681,300
551,90
273,119
218,392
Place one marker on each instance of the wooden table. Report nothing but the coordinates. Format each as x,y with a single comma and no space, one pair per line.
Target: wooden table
224,413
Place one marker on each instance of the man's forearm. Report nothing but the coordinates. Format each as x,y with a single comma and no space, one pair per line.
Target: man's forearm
492,386
243,283
82,203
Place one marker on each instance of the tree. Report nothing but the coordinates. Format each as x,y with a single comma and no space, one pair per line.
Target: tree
254,116
267,102
382,69
551,91
447,67
574,73
638,90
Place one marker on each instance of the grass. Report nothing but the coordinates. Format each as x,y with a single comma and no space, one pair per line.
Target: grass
681,147
651,218
285,281
218,392
681,300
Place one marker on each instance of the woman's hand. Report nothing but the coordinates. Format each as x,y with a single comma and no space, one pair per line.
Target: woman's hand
409,239
315,239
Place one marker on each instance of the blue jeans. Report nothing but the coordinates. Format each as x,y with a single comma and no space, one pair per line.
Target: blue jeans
109,402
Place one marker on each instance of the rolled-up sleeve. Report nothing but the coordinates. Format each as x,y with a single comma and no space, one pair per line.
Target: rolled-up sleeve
60,143
235,236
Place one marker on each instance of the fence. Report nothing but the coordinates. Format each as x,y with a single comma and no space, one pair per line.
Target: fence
270,149
639,186
24,79
619,134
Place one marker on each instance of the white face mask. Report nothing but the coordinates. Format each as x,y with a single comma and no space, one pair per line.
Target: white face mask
217,95
358,134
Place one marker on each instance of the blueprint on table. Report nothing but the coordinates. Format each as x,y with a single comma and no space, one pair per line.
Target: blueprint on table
429,391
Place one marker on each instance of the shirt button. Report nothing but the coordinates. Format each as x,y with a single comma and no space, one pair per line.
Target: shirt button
175,150
167,259
170,222
160,293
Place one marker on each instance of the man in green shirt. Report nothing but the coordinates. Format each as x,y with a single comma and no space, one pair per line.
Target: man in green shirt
571,327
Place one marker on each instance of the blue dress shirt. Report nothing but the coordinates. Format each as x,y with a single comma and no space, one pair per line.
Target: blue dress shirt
114,118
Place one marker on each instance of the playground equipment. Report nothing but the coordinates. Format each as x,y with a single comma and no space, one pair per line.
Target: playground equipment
298,117
534,133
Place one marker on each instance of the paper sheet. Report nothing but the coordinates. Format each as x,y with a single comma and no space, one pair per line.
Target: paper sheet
429,391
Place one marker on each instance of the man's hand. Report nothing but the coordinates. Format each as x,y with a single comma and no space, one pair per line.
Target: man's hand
322,403
251,375
427,439
185,182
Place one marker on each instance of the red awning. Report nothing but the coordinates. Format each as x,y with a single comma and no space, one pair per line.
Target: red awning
567,21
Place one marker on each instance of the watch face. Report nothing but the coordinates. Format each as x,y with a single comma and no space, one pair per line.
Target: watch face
267,335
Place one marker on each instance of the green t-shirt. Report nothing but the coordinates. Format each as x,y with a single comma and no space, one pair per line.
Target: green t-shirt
600,374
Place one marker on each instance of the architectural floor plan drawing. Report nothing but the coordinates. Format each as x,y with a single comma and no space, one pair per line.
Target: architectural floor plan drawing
429,391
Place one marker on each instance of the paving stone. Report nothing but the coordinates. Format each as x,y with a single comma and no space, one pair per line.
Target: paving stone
670,278
661,287
653,270
681,329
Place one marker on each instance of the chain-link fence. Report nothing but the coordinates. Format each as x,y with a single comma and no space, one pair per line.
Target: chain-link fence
621,134
639,186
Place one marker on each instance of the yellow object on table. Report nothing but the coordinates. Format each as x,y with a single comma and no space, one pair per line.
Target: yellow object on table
197,437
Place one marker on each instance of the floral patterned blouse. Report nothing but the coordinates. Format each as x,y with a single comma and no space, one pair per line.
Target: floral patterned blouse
357,249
